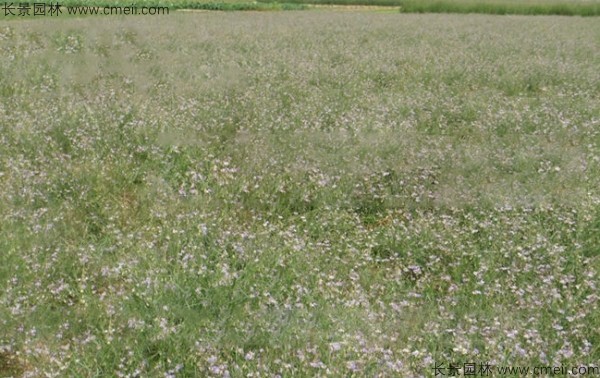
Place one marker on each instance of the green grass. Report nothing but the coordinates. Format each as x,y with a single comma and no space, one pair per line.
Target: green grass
527,7
227,5
302,194
499,7
564,8
162,9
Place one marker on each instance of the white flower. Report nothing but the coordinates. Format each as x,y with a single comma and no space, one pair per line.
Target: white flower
334,347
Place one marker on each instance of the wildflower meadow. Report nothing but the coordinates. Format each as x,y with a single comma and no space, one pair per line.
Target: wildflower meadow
299,194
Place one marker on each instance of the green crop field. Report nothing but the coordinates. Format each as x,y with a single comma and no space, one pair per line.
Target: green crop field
299,194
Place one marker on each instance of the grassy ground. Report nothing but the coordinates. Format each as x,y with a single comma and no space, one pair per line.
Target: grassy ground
306,194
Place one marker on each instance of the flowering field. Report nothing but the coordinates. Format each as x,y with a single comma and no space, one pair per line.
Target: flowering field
298,194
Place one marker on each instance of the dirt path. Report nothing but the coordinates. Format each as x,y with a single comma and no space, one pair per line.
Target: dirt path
353,8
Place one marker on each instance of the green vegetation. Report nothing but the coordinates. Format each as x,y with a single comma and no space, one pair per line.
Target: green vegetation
532,7
522,7
219,5
528,7
298,194
71,8
535,7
